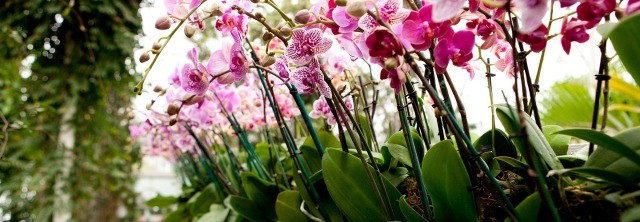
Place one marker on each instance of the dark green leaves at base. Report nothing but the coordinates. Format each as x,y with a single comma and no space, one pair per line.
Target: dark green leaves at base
448,184
288,207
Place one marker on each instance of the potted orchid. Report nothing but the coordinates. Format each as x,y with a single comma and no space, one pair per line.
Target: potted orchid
347,111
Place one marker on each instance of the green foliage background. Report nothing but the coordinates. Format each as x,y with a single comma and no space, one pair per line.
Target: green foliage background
82,60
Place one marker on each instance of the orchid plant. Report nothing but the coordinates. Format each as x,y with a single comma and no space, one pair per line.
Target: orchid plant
238,128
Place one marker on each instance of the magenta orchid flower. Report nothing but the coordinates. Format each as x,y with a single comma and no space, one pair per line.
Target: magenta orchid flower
321,109
193,78
458,50
309,78
444,10
391,12
305,44
537,39
231,20
573,31
231,57
384,49
592,11
419,29
633,6
531,13
282,67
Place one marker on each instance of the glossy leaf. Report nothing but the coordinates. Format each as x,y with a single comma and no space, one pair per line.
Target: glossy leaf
247,208
400,152
217,213
403,155
312,158
179,215
396,175
612,161
571,161
200,202
624,37
366,128
288,207
448,184
536,139
529,208
630,215
262,193
351,190
327,140
590,172
503,146
161,201
513,165
559,143
604,142
409,212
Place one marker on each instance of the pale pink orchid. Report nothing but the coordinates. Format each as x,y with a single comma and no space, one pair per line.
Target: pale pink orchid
391,12
231,20
444,10
309,78
194,77
305,44
321,109
282,67
231,57
531,13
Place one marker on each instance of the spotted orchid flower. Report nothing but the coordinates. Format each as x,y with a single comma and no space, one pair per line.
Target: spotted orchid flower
573,31
458,50
419,29
194,77
309,78
282,68
531,13
391,12
305,44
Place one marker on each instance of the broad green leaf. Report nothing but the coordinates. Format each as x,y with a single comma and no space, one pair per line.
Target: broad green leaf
529,208
262,193
559,143
305,195
399,152
612,161
396,175
591,172
200,202
513,165
503,146
179,215
351,190
630,215
366,128
288,207
327,140
625,38
409,212
571,161
398,139
312,157
536,139
448,184
378,157
248,209
605,142
217,213
162,201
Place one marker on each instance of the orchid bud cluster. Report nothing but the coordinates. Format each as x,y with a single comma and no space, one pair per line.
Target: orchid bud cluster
320,46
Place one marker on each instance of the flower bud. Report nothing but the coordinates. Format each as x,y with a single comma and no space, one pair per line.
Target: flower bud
302,16
267,36
149,106
341,2
173,109
163,23
189,30
144,57
158,88
156,46
267,61
356,8
255,1
390,63
173,120
619,13
285,30
260,16
213,8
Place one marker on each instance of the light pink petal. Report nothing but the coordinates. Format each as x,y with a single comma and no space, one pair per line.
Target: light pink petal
323,46
532,12
367,23
324,89
194,3
412,31
217,63
313,36
444,10
193,81
298,35
193,55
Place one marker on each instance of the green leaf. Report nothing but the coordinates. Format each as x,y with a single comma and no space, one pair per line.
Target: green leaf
262,193
366,128
247,208
571,161
612,161
536,139
200,202
625,38
604,142
398,139
631,214
503,146
312,157
409,212
351,190
288,207
513,165
162,201
529,208
559,143
591,172
396,175
217,213
400,152
448,184
327,140
179,215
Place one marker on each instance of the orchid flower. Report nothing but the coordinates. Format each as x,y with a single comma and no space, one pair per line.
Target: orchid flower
305,44
592,11
308,78
537,39
531,13
391,12
419,29
444,10
573,31
230,56
458,50
193,78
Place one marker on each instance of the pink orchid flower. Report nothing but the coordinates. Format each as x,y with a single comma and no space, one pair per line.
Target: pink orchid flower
391,11
458,50
321,109
384,46
308,78
180,9
419,29
531,13
230,57
194,77
592,11
573,31
345,22
231,20
305,44
444,10
633,6
282,67
537,39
